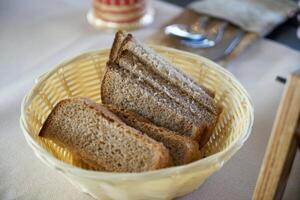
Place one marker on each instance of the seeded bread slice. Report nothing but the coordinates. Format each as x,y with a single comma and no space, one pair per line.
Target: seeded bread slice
191,110
182,149
129,91
119,38
182,98
100,138
124,90
165,69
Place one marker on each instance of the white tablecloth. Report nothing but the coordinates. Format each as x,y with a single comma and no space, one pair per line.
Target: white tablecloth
35,35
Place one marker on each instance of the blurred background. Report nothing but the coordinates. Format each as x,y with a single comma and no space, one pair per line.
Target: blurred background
36,36
285,33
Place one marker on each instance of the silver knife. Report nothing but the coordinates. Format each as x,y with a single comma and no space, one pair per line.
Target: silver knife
224,48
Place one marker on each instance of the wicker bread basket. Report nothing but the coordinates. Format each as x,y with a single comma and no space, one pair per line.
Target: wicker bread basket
81,76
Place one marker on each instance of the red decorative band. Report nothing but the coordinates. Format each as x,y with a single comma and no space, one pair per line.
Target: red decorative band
133,19
132,10
120,2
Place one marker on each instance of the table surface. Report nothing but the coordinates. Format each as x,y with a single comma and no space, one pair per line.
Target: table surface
284,34
35,38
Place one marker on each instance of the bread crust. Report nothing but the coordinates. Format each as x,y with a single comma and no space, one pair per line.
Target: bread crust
160,159
183,149
129,48
166,70
119,37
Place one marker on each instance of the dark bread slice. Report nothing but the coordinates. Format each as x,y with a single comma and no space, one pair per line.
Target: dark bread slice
132,91
182,149
177,102
125,90
101,139
182,98
119,38
167,71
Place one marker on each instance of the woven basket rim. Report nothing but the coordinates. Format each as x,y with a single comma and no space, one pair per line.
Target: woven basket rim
216,160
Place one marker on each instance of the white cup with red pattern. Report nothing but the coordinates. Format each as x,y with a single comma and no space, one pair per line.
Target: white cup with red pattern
121,14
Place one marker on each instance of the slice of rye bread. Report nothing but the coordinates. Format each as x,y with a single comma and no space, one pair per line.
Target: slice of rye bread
166,69
180,97
101,139
120,41
199,120
125,90
182,149
119,38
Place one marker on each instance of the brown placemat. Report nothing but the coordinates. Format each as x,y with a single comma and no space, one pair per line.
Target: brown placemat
190,17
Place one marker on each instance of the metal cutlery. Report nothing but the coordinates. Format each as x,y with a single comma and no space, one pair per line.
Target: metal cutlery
225,47
182,32
196,36
213,45
186,32
209,41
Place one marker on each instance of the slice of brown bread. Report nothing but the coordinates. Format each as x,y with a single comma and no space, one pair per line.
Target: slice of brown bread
125,90
183,112
181,97
119,38
122,38
165,69
182,149
100,138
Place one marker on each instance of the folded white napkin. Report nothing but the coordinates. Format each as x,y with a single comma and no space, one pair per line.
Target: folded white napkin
259,16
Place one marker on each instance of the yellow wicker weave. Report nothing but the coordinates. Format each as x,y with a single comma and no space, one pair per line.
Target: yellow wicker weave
81,76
